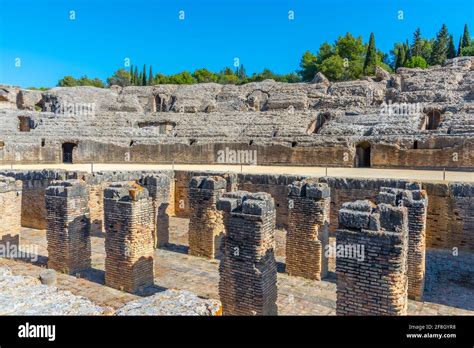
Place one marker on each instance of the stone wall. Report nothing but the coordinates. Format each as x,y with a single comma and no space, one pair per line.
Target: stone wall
10,211
308,230
248,272
375,284
68,226
206,226
129,244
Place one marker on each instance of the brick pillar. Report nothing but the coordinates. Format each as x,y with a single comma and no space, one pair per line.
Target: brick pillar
129,225
248,272
68,226
416,202
10,213
308,229
206,225
159,187
372,244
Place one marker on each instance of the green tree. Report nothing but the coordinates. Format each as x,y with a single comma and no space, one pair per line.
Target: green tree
440,47
459,53
466,38
136,79
333,68
469,50
182,78
417,62
370,57
242,74
308,66
131,75
205,76
417,45
451,49
67,81
150,77
143,80
121,77
399,52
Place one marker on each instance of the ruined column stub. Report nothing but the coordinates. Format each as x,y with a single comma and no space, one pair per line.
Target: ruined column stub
308,229
416,201
159,188
248,272
374,282
10,213
206,225
68,226
129,225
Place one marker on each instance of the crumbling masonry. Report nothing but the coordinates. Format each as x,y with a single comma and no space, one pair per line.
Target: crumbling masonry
416,202
308,230
248,272
10,212
159,186
129,226
206,225
68,226
375,282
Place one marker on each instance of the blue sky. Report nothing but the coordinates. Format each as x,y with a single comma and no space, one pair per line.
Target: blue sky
213,33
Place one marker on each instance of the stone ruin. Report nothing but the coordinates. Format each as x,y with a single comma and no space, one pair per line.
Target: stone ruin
374,282
248,271
414,118
68,226
308,230
10,206
129,224
206,225
416,202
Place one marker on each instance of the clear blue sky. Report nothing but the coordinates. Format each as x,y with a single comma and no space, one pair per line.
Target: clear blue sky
214,32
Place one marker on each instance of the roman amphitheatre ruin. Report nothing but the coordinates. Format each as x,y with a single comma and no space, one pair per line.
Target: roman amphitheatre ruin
321,198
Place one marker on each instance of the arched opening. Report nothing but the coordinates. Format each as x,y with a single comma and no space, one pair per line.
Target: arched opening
432,120
362,156
68,150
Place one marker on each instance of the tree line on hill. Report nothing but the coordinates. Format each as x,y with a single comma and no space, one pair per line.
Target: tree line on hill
348,58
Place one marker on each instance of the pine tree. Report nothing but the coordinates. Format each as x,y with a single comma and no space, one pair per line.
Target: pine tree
466,38
407,53
144,75
370,56
440,46
451,48
150,77
242,73
417,46
460,46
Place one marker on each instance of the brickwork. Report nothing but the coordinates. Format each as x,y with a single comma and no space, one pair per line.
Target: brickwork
416,202
206,225
68,226
159,188
374,282
10,211
308,230
248,272
129,225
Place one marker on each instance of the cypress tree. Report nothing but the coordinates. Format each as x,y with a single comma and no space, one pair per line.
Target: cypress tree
407,53
135,76
371,56
144,75
466,38
451,48
460,46
150,77
400,56
131,75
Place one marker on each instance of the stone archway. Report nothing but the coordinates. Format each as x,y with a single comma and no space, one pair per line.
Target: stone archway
68,151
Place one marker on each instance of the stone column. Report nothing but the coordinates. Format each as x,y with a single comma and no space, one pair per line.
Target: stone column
372,244
308,229
206,225
10,214
248,272
68,226
159,187
129,225
416,202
